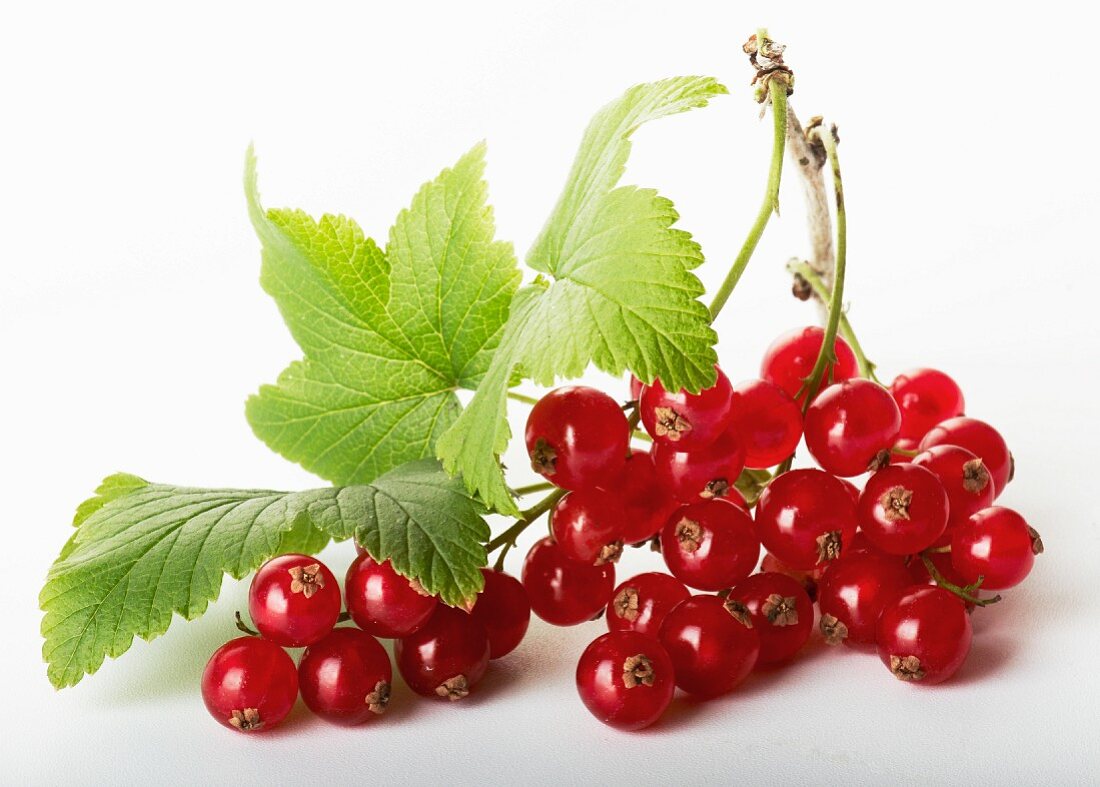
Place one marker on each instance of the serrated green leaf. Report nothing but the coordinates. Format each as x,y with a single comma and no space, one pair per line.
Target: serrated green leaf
622,296
158,550
387,336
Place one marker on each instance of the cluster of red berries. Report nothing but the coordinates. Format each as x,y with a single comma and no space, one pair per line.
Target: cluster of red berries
344,674
896,566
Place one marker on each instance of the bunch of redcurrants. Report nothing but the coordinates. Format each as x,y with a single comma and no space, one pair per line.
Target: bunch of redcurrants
897,566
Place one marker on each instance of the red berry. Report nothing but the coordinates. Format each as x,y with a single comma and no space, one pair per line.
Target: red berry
790,359
997,544
780,610
925,397
805,518
854,591
979,438
588,527
565,592
851,427
964,477
712,649
701,474
503,609
710,545
924,635
636,387
625,679
683,420
294,600
807,579
852,489
903,509
346,677
577,437
446,657
641,498
641,603
249,684
766,421
384,603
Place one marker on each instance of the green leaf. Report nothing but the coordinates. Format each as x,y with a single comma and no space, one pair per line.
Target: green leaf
622,294
156,550
387,336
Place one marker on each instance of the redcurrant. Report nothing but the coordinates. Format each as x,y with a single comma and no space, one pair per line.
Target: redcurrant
766,421
683,420
925,397
577,437
712,649
851,427
446,657
588,527
853,592
249,684
996,544
924,635
636,387
346,677
294,600
384,603
807,579
710,545
641,603
701,474
964,477
565,592
626,679
642,500
790,359
780,611
903,509
805,518
503,609
979,438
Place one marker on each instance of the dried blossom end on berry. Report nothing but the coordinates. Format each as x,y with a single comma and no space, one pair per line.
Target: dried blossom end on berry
638,671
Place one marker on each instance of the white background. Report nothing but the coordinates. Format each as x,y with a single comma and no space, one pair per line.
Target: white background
133,328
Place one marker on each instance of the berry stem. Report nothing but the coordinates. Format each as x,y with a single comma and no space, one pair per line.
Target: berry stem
521,491
965,593
811,162
518,397
243,627
805,271
777,85
507,539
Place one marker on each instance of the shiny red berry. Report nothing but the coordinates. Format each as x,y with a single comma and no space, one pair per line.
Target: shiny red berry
701,474
384,603
780,610
712,648
924,635
903,509
446,657
626,679
588,526
925,397
636,387
851,427
766,421
642,499
346,677
503,609
577,437
805,518
996,544
710,545
790,359
808,579
641,603
964,477
249,684
565,592
853,593
294,600
683,420
979,438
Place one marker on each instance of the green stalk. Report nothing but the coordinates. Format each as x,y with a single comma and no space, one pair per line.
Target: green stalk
507,539
777,90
